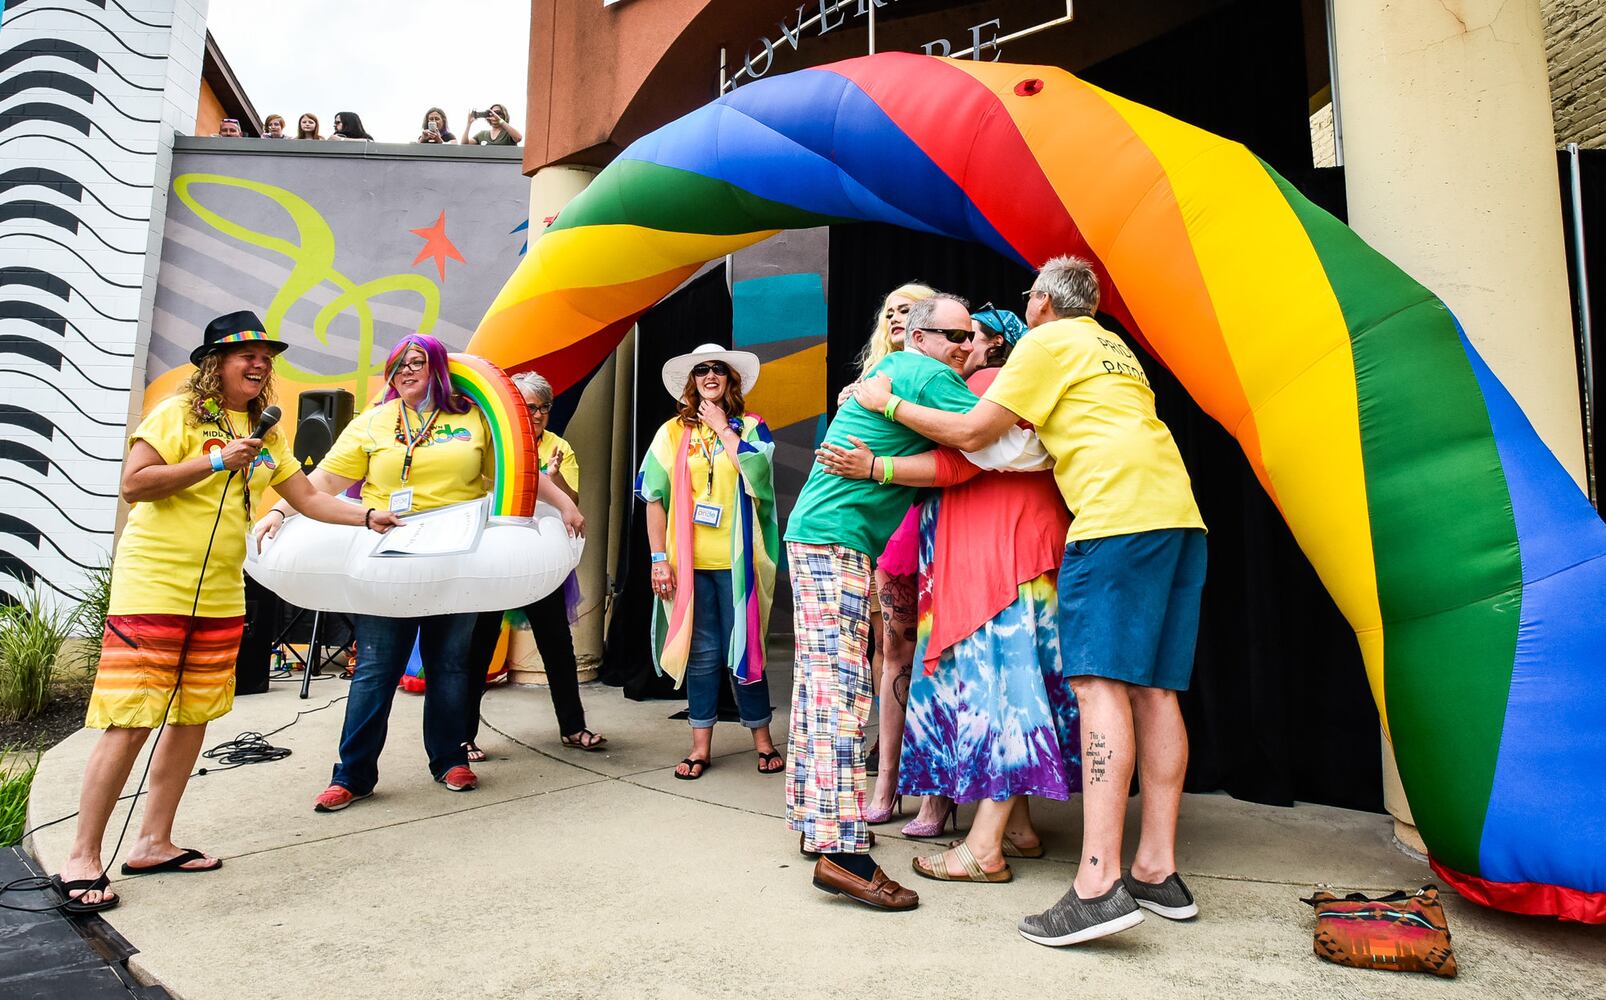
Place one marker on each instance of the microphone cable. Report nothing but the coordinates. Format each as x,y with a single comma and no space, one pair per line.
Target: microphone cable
40,883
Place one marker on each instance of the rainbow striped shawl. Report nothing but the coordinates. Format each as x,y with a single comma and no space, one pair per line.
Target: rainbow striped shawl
755,548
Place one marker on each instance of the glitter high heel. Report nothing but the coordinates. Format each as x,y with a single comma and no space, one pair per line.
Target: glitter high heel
915,828
876,817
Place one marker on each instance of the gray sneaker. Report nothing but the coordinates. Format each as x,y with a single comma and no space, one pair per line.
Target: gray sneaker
1170,898
1073,920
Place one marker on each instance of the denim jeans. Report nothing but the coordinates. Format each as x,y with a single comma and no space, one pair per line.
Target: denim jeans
549,624
383,648
706,665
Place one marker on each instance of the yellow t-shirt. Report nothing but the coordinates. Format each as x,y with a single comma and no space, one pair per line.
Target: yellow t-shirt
451,465
569,467
158,561
1115,462
711,545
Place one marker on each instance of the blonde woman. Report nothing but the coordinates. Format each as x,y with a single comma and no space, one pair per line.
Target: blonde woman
193,475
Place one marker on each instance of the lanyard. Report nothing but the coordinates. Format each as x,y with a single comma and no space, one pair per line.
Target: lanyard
708,457
228,428
410,440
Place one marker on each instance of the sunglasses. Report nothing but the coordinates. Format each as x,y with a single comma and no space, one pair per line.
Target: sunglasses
711,368
996,327
954,335
412,366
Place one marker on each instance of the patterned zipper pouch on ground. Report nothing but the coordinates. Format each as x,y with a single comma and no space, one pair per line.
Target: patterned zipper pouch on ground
1401,932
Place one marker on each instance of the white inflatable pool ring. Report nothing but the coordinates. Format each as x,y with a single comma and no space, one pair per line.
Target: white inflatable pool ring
332,567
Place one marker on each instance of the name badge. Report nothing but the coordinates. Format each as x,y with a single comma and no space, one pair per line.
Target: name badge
401,501
708,515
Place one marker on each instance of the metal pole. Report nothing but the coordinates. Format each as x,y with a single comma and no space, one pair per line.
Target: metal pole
1586,339
997,43
724,81
872,27
1332,83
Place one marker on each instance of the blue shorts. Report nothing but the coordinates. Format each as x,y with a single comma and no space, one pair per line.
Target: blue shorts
1129,606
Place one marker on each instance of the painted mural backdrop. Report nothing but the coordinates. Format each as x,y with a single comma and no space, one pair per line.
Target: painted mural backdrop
341,250
91,93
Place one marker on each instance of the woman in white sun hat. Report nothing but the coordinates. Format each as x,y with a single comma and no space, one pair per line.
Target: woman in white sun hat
711,524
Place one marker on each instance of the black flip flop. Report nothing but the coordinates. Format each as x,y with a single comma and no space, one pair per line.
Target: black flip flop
765,758
174,864
691,762
576,741
76,906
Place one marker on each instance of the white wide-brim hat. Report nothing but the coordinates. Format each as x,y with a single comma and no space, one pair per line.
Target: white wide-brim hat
678,369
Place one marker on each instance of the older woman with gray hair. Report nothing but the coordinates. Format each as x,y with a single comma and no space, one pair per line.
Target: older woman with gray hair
551,616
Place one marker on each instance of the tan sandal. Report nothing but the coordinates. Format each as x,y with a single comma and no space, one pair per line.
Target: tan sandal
1010,850
935,866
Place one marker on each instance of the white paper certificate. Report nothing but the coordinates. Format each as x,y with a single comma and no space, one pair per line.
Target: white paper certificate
444,531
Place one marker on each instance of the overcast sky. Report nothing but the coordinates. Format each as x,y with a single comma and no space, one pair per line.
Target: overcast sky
387,60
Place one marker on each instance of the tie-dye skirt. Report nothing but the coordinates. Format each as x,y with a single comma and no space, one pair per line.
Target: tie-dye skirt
997,718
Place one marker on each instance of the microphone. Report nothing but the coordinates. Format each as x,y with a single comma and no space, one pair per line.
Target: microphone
265,423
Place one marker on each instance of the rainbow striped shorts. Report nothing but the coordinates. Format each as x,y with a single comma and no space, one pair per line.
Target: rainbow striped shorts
139,663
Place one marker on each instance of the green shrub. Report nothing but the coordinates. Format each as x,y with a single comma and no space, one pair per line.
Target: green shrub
17,769
32,632
89,622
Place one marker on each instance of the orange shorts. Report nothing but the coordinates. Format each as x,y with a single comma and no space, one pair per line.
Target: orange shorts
139,668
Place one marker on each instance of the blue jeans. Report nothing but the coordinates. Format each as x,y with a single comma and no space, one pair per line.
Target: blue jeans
707,663
383,648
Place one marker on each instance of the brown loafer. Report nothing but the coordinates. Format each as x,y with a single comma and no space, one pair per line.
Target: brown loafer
880,892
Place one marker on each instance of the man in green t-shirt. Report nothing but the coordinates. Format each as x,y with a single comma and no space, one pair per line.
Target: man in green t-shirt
1129,585
835,526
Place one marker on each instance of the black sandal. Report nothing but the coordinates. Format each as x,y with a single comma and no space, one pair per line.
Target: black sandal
74,905
577,741
472,751
691,762
765,757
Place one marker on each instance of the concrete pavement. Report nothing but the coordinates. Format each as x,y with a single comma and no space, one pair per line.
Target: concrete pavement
570,874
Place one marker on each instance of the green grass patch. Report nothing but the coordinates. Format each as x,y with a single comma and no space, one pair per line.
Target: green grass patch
17,768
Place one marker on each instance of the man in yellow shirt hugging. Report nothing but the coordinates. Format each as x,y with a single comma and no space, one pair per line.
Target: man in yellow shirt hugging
1129,585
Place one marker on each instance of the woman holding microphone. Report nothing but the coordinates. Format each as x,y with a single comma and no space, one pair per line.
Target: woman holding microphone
194,472
424,446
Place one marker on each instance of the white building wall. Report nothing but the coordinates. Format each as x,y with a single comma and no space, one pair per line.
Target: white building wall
90,98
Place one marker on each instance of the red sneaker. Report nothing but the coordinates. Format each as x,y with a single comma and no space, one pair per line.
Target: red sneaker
335,798
461,779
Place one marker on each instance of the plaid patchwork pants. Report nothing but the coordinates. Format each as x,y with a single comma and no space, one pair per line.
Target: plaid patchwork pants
831,697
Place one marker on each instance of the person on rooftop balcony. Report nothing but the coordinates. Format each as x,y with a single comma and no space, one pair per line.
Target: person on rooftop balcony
501,132
308,127
273,127
433,129
348,125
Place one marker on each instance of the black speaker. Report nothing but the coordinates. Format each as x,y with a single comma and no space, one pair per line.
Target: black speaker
323,414
263,610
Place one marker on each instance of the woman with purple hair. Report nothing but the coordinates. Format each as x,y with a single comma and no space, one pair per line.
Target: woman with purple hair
424,446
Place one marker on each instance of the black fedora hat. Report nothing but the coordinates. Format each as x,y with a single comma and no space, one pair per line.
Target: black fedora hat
241,327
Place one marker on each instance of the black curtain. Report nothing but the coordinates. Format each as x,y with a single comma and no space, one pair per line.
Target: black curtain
698,313
1592,181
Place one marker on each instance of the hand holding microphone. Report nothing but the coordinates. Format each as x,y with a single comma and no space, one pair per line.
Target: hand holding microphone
241,452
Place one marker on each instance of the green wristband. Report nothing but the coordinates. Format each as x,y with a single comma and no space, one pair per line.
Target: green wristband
892,408
886,470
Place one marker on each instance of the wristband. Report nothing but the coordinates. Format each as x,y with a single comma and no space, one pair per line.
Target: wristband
282,514
659,557
892,408
886,470
215,456
367,517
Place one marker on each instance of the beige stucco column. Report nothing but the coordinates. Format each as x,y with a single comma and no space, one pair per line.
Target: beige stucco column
590,433
1450,170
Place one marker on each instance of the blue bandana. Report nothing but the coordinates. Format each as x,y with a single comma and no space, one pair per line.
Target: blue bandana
1002,321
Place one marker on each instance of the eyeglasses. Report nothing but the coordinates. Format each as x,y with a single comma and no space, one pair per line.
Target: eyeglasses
1027,295
412,366
954,335
535,408
711,368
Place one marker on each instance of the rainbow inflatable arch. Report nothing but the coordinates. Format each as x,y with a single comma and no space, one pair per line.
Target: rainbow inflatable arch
1471,567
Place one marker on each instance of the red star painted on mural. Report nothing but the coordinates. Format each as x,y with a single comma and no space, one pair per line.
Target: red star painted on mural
437,245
